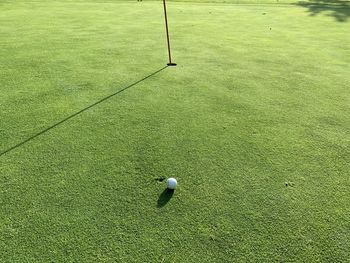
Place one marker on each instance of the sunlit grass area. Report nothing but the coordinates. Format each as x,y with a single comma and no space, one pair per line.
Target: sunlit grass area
253,122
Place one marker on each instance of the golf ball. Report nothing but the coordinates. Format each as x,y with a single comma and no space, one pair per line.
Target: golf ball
171,183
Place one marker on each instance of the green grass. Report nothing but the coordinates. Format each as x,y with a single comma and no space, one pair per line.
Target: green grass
253,122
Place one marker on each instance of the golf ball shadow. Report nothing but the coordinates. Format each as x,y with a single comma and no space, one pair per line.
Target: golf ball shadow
165,197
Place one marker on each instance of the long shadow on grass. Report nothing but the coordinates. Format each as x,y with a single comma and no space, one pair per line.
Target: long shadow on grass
165,197
79,112
339,9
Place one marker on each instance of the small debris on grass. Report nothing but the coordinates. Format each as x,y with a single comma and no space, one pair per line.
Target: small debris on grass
289,184
160,179
212,238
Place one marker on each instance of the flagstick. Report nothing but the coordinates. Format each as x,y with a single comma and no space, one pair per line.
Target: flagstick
167,35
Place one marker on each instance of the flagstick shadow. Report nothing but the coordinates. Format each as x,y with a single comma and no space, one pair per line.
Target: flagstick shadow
79,112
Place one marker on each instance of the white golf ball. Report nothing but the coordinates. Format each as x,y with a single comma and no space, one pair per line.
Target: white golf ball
171,183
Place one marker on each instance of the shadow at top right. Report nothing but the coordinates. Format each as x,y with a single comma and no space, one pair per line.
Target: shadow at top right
339,9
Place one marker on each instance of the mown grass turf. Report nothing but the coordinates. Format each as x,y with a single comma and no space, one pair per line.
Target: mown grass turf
253,122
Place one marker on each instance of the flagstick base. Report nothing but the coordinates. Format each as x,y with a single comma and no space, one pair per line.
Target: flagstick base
172,64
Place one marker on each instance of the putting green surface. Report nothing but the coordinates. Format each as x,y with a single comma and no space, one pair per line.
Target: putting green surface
254,123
